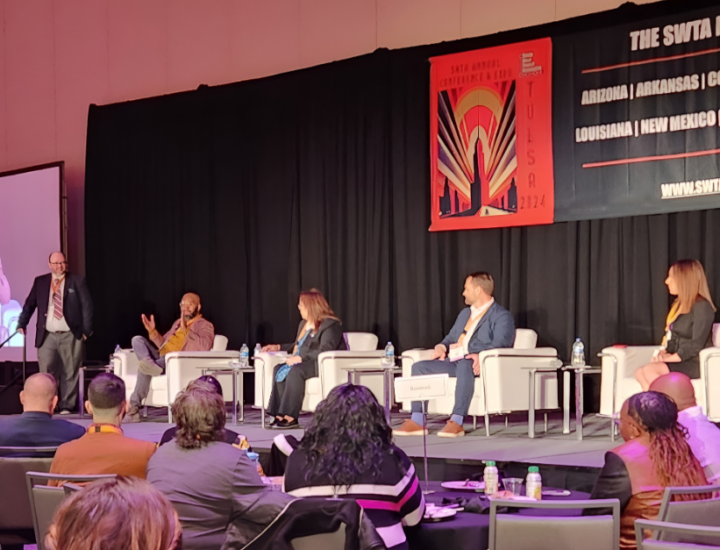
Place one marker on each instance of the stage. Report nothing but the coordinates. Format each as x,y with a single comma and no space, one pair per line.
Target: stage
566,462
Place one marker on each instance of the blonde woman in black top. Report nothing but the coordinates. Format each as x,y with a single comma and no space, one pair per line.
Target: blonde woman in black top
688,328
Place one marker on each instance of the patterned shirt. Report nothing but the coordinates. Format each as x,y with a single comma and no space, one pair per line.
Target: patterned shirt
391,501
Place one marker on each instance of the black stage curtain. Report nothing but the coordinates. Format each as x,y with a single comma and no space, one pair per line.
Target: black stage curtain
248,193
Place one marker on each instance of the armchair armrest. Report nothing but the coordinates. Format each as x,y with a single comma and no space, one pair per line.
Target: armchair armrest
226,354
264,364
512,352
332,364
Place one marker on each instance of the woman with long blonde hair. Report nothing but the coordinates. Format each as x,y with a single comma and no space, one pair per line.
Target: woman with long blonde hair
688,328
319,331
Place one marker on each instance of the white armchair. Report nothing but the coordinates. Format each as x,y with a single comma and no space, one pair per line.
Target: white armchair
625,360
330,370
181,367
507,380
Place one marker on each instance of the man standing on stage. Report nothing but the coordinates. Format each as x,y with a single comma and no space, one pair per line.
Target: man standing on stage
482,326
189,333
64,322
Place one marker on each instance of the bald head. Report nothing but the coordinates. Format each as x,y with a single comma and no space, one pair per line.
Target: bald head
678,387
190,306
39,393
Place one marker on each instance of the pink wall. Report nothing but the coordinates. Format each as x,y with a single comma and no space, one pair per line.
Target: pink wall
57,57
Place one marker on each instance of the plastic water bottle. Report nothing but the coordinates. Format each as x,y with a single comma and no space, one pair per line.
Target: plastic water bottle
533,482
255,459
118,348
244,355
491,477
389,358
258,350
578,353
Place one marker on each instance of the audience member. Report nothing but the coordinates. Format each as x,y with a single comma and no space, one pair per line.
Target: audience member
124,513
319,330
348,451
231,437
189,333
104,449
209,482
703,435
36,427
688,327
655,455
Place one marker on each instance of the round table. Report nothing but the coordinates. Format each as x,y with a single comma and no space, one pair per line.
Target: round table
467,531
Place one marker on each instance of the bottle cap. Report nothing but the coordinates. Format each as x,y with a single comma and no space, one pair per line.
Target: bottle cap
252,456
534,469
490,463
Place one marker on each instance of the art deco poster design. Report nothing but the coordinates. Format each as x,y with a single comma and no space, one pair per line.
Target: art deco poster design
491,137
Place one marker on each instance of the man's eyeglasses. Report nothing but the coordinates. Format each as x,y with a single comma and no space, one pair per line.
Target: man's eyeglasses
58,263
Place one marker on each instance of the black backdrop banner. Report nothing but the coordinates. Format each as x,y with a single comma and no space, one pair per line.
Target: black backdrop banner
636,117
248,193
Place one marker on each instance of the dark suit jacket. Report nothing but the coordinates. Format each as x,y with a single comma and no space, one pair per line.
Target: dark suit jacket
77,306
37,429
692,332
496,329
328,337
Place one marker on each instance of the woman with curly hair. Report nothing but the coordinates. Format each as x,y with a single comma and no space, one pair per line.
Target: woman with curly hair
206,479
123,513
348,452
655,455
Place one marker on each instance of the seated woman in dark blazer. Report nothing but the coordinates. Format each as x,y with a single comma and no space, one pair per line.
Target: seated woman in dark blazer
318,331
688,326
655,455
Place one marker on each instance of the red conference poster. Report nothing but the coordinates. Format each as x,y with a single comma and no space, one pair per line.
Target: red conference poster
491,137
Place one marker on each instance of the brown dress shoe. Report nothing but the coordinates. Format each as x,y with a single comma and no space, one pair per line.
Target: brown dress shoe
452,429
409,427
132,416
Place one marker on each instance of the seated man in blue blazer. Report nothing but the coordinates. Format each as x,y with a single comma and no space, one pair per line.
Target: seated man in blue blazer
36,427
482,326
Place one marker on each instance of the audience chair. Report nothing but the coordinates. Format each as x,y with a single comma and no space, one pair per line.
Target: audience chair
16,517
322,541
44,500
181,367
507,378
330,370
520,532
620,363
690,512
681,531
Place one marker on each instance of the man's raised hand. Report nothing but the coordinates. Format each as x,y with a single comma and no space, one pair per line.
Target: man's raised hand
148,323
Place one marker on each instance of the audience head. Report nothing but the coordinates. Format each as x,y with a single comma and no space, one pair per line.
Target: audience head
652,416
124,513
678,387
57,263
314,307
39,393
686,280
106,399
479,288
200,415
207,379
190,306
348,435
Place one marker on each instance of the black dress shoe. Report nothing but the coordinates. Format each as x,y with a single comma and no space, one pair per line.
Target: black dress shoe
286,425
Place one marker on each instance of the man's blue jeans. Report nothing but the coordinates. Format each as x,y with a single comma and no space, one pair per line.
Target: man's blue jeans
464,389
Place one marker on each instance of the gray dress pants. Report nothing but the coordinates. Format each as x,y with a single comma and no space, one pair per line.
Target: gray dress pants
60,354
